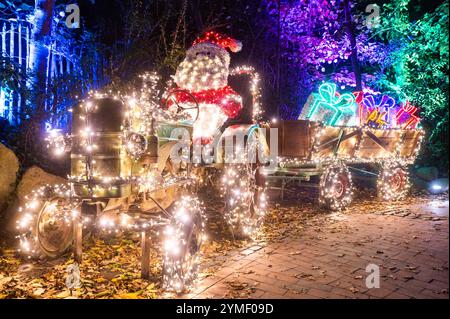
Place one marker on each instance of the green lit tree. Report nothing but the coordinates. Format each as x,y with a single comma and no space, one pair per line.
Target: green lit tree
417,69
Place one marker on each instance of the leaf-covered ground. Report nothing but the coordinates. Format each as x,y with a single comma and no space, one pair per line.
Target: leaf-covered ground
111,266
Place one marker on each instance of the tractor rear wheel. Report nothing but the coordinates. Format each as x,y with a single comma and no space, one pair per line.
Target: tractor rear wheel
46,222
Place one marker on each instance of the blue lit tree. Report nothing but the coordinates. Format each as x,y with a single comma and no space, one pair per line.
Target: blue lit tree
60,69
42,20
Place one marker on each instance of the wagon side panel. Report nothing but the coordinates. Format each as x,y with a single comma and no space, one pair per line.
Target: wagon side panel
339,141
295,138
410,143
379,144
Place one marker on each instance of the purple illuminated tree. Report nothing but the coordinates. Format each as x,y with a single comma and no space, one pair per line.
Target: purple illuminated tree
316,38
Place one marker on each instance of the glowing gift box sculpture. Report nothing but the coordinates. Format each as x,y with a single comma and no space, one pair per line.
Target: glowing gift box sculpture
330,107
377,111
406,117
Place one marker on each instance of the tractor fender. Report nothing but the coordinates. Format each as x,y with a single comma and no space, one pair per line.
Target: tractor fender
164,153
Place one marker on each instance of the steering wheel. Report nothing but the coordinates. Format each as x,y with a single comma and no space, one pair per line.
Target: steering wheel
180,108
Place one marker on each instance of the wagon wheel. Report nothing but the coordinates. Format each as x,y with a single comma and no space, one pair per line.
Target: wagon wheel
183,239
336,187
46,222
245,199
393,182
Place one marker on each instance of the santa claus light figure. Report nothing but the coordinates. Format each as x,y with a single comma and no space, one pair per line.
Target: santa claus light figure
203,76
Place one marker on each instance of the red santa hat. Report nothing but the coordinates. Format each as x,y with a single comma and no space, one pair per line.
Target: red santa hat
218,39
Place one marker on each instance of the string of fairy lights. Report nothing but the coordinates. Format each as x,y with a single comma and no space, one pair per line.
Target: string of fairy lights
316,158
377,116
393,182
391,164
255,89
180,240
143,116
28,215
245,201
199,96
141,108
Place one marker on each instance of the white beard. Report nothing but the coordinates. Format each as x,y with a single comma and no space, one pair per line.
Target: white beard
201,73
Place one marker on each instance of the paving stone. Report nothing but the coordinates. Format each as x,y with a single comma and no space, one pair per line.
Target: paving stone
330,261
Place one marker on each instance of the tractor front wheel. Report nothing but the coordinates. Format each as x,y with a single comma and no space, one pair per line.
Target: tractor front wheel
245,199
183,240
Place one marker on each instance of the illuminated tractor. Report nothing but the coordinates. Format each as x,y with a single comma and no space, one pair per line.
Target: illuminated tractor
124,177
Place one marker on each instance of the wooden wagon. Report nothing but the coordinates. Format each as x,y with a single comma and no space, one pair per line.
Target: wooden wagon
316,155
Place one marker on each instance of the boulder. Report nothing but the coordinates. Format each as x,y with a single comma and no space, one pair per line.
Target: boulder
427,173
33,178
9,167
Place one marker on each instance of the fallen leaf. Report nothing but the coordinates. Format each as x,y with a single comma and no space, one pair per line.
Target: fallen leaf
38,291
237,285
64,294
102,294
130,295
353,289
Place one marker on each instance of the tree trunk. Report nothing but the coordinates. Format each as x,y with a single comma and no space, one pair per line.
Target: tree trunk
39,52
354,55
37,81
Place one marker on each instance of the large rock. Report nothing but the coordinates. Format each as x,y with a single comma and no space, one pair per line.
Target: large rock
9,167
32,179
